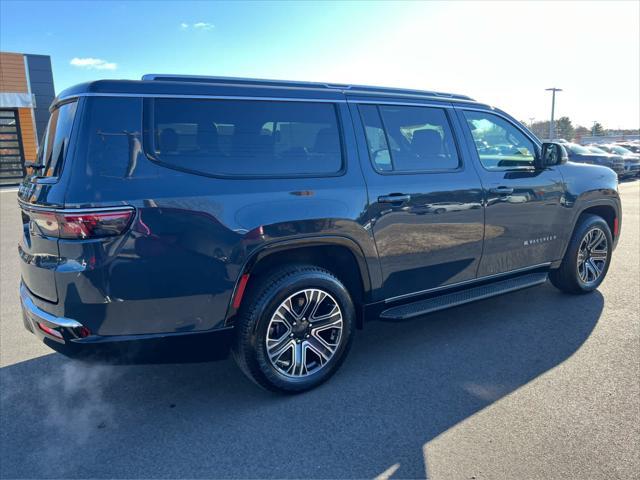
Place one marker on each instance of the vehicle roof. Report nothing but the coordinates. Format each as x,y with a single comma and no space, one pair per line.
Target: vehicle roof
156,84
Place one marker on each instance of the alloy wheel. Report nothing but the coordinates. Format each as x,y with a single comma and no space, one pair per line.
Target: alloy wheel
304,333
592,255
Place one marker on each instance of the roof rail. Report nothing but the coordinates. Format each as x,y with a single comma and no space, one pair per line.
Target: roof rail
300,84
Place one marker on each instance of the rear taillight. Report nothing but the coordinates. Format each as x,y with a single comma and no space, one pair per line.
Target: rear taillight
82,225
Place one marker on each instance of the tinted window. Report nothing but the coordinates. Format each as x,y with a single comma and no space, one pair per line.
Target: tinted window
376,138
56,141
404,139
500,145
242,137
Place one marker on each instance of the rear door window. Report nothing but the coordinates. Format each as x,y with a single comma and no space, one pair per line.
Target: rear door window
244,137
409,138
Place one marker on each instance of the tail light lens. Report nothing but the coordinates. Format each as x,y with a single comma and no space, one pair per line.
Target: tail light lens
82,225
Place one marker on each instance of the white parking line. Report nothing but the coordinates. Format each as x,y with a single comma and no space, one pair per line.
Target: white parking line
10,189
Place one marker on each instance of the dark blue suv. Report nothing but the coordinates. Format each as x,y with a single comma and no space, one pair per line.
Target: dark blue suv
271,218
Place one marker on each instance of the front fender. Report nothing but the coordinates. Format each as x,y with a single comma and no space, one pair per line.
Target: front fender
589,186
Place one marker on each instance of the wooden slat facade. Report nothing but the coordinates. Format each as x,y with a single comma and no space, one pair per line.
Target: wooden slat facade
13,78
29,144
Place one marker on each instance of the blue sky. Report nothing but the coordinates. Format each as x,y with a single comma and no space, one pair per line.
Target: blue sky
502,53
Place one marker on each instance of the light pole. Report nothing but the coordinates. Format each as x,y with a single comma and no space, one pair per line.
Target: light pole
552,128
531,119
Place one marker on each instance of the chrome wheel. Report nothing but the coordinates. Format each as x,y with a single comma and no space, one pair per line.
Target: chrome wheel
304,333
592,256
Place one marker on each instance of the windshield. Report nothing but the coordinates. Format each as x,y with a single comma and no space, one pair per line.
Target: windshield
56,141
575,148
596,150
621,150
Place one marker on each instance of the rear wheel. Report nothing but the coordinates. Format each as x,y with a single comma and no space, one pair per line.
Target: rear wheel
587,259
294,329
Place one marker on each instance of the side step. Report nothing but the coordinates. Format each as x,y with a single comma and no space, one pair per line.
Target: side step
410,310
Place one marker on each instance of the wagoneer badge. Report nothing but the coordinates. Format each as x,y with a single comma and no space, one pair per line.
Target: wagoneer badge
535,241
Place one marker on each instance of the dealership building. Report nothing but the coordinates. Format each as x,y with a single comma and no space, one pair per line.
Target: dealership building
26,91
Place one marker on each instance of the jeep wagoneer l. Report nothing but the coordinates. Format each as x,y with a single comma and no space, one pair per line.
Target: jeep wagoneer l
276,216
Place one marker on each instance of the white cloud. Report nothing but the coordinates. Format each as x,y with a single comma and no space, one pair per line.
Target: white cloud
198,26
93,63
203,26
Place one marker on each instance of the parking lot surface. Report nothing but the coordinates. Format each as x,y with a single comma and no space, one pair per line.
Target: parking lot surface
534,384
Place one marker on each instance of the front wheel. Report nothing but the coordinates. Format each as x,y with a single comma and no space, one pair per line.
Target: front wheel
295,329
587,259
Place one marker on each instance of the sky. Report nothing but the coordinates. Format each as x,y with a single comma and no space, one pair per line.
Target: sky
502,53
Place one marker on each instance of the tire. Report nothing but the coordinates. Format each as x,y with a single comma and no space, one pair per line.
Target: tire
263,318
571,276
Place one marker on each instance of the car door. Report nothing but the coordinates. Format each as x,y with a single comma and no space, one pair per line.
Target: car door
425,203
524,204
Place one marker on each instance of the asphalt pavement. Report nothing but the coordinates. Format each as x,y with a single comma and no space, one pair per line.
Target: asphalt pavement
531,385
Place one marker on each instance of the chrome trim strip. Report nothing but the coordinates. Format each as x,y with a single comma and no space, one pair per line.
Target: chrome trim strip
204,97
275,99
36,208
38,314
466,282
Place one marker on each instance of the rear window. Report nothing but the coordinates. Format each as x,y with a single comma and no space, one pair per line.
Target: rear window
244,137
56,141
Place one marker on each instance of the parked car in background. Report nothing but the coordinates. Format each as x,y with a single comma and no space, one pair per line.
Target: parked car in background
272,218
579,154
631,146
631,160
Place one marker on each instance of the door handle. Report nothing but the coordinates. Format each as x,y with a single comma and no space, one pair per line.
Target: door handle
502,190
394,198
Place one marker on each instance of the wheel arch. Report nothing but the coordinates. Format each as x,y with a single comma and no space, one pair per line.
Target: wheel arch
608,210
340,255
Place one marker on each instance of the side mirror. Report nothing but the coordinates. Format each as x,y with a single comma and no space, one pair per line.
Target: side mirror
553,154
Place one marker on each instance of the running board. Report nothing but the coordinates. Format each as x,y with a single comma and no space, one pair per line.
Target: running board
461,297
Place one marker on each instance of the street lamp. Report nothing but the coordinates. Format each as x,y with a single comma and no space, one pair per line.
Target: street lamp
553,91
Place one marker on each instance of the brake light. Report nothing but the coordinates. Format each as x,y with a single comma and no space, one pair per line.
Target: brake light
82,225
50,331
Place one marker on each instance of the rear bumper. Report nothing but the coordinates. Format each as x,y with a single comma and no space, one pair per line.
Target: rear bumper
123,349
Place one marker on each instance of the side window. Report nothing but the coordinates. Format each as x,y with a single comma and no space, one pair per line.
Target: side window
500,145
409,139
245,137
56,142
376,138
